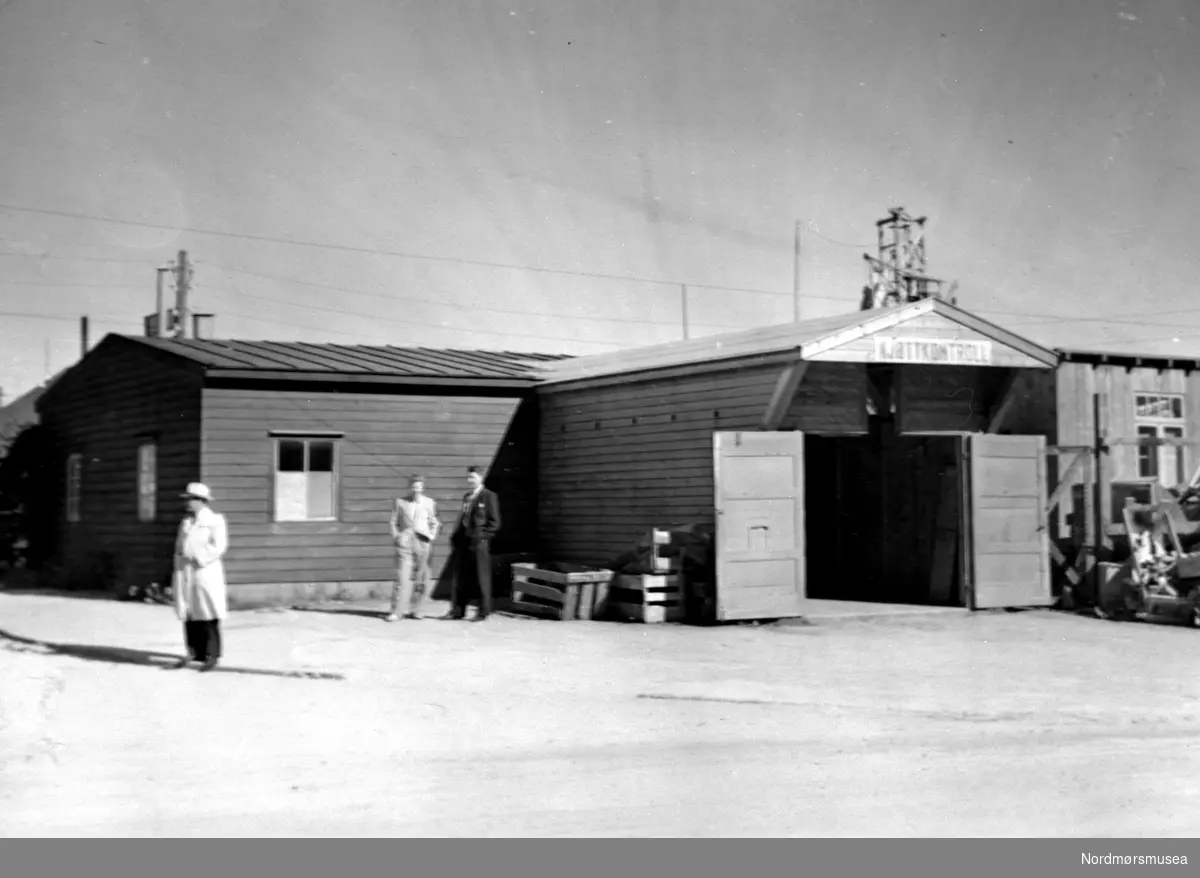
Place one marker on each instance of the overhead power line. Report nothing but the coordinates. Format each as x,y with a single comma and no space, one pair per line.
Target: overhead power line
399,254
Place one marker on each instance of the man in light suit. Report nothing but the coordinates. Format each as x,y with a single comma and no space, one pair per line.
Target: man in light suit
415,526
478,522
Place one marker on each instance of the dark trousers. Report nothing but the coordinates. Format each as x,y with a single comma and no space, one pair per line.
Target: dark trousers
203,639
472,577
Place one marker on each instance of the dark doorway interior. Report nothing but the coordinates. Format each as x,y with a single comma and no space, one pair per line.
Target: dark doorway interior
883,517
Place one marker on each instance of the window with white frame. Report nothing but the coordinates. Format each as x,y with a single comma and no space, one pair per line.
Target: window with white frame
306,483
74,486
147,481
1161,416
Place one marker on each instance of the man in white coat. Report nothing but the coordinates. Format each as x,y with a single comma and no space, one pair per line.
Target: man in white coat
199,581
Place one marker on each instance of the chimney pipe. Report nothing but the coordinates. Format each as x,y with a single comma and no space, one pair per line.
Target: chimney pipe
182,283
160,307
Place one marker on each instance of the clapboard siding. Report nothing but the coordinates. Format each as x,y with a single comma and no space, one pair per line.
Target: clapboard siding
386,437
104,408
1033,408
940,398
616,460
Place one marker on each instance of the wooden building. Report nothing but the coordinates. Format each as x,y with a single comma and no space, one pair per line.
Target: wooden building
304,446
851,457
1116,424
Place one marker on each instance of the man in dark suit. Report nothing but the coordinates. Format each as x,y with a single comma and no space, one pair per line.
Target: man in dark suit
478,522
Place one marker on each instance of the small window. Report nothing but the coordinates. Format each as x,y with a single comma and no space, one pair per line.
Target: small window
1174,463
1158,407
147,481
305,479
74,487
1147,454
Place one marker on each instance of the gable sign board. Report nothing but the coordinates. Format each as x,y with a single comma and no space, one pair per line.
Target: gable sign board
932,351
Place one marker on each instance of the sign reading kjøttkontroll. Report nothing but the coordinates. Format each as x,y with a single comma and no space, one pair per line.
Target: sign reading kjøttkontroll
933,351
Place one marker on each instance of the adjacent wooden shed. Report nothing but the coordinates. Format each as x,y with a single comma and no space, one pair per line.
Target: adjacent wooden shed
304,446
1116,424
852,457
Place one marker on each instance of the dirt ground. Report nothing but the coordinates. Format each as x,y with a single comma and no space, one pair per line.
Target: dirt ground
1019,724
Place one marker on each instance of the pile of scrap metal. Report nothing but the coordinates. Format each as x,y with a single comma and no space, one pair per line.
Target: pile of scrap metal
1161,578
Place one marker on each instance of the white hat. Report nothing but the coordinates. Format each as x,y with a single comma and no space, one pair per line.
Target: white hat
199,491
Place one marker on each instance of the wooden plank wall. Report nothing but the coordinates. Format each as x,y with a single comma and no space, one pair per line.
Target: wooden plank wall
927,327
617,460
1077,382
387,437
947,398
1076,385
1033,411
102,409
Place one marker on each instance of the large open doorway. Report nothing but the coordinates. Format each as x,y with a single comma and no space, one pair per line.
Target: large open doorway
938,520
885,517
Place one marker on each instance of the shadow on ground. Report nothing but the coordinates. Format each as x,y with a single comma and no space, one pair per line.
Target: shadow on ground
163,660
342,611
58,593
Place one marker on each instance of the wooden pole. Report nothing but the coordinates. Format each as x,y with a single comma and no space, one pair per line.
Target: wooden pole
83,336
684,301
1100,490
796,275
181,296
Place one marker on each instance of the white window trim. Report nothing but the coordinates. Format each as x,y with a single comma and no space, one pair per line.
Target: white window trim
277,439
1159,455
1158,419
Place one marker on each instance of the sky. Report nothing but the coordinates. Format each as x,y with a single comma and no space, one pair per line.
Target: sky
558,177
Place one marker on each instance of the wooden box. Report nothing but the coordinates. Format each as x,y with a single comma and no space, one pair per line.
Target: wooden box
563,592
646,597
660,564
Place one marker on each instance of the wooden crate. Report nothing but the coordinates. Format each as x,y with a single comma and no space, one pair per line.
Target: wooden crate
570,592
647,597
660,564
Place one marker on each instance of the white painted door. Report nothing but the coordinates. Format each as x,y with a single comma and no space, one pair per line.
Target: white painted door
1009,542
760,524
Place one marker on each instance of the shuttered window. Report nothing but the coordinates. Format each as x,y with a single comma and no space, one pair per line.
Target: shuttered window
147,481
74,487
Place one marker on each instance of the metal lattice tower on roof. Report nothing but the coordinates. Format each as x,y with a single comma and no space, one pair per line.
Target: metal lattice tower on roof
898,274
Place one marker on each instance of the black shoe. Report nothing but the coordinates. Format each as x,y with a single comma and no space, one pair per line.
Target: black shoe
454,617
481,618
179,665
209,664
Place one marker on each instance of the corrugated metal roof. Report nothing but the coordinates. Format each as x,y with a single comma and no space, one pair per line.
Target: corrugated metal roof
807,336
381,360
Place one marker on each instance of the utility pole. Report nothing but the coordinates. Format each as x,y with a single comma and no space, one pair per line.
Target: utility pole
183,279
684,292
83,336
160,305
796,275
